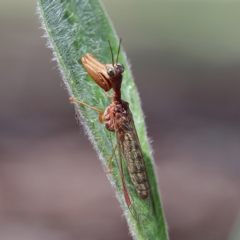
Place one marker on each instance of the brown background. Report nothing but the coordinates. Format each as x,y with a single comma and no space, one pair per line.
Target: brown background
185,58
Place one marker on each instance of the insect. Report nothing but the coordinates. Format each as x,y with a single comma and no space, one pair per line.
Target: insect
119,119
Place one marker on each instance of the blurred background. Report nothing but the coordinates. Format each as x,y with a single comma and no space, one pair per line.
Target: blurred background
185,57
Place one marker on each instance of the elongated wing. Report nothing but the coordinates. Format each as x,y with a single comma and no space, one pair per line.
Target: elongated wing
127,193
133,155
135,183
120,164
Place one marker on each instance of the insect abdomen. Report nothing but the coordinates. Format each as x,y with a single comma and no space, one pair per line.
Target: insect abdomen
136,165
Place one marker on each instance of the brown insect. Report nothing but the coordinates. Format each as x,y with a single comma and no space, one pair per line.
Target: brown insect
119,119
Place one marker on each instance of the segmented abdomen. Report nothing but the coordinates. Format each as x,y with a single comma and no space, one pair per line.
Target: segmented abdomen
135,161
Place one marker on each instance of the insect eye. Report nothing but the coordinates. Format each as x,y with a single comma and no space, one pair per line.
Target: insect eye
121,65
111,72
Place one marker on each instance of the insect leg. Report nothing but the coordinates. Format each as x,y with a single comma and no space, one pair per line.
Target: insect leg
100,117
110,160
108,95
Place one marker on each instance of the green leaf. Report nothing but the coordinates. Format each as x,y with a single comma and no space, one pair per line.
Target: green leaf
77,27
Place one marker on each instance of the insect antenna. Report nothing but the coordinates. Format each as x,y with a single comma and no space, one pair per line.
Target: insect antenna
118,49
111,52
